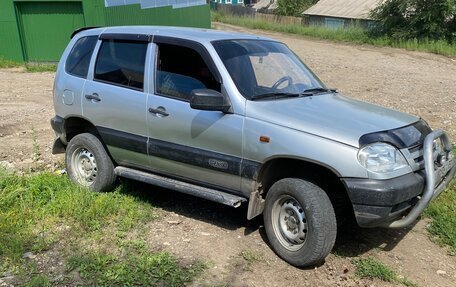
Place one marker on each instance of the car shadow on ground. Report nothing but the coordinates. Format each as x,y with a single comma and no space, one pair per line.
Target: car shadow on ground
352,241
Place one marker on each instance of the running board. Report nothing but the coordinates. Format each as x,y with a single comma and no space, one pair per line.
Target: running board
188,188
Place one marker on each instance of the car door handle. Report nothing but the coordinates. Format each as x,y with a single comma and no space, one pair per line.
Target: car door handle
160,111
93,97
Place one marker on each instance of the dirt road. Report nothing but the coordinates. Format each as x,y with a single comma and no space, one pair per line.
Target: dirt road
418,83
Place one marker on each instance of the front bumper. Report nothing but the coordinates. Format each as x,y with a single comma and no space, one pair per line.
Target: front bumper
397,202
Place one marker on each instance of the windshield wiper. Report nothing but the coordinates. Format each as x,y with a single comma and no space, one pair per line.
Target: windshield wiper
274,96
314,91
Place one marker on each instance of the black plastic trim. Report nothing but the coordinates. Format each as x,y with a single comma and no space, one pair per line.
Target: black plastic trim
58,125
126,37
198,47
180,153
250,169
75,32
128,141
376,202
387,192
401,137
204,158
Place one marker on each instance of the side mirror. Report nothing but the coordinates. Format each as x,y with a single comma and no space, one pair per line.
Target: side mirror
209,100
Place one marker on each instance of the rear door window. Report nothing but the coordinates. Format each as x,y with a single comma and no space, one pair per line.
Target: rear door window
77,63
121,63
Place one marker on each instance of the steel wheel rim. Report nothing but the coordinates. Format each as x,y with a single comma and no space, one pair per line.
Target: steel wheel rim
84,166
289,222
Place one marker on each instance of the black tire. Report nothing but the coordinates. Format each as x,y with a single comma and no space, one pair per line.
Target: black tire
88,163
305,209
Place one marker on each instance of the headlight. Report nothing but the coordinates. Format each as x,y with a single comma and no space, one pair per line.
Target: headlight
381,157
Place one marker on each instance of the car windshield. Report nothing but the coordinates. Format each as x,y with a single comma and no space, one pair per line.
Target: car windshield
265,69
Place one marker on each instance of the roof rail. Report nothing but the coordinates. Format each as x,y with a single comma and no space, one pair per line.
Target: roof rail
82,29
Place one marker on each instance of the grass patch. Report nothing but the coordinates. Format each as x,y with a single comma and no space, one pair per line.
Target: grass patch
99,235
38,281
144,269
251,256
29,67
372,268
40,67
354,34
33,206
442,211
6,64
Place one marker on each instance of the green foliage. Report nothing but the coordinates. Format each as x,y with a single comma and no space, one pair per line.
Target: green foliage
40,67
251,256
133,269
38,281
443,214
39,210
293,7
31,207
29,67
417,19
372,268
353,34
5,64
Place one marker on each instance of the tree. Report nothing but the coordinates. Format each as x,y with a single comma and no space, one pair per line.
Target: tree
417,19
293,7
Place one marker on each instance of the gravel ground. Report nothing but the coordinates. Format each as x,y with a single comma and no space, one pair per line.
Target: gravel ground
418,83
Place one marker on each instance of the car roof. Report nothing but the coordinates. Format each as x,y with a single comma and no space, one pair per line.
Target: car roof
195,34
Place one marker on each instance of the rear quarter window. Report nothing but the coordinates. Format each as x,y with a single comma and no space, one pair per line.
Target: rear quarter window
77,63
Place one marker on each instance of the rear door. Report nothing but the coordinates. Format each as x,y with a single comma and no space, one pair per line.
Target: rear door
114,99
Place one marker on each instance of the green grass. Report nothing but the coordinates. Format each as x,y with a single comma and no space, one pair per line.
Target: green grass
143,269
353,35
442,211
251,256
5,64
40,67
36,204
372,268
41,211
29,67
38,281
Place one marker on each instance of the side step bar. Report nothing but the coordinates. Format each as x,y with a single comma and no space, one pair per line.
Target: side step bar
188,188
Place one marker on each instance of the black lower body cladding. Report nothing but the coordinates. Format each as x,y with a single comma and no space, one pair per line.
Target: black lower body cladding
58,124
376,202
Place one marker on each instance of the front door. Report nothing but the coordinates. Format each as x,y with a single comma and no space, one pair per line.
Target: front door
193,145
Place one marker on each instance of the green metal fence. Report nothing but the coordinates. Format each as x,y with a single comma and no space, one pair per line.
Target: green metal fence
39,30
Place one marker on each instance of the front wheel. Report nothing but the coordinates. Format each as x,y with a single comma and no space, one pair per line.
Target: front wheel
88,163
300,222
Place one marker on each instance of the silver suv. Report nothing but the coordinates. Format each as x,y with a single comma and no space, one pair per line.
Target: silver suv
237,118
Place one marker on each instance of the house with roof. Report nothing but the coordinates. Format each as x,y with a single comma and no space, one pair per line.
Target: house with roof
262,5
342,13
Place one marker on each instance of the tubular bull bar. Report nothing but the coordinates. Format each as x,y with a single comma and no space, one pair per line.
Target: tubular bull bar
438,176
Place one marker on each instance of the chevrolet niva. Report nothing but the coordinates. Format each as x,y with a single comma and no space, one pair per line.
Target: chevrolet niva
239,118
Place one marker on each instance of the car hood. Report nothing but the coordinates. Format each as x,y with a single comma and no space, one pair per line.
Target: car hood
331,116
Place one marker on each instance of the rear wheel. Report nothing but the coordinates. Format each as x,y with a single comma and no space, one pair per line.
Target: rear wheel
300,222
88,163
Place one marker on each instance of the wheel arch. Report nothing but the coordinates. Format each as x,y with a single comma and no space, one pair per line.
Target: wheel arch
326,177
75,125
